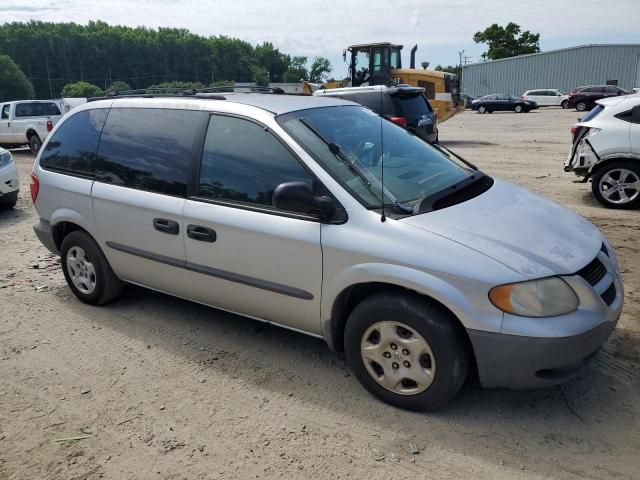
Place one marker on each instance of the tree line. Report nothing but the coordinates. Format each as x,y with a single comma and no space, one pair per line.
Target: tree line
52,55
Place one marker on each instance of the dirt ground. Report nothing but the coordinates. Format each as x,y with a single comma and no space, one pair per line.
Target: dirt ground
165,389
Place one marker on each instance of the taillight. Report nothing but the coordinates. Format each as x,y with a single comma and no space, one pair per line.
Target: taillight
574,129
49,125
399,120
34,186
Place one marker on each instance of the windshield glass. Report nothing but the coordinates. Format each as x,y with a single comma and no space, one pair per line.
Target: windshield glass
352,143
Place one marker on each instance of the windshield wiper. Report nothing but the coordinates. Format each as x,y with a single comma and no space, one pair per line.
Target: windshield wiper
335,149
446,151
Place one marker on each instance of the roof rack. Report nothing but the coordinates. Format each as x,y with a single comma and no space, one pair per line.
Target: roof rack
212,93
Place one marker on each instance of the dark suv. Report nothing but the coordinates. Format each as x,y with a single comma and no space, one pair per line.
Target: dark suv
584,98
402,104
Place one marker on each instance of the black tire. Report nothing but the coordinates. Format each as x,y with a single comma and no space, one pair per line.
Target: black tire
434,323
564,104
482,109
603,172
34,144
518,109
107,285
581,106
9,201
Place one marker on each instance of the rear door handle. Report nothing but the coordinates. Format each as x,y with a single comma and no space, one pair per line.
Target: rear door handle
202,234
165,225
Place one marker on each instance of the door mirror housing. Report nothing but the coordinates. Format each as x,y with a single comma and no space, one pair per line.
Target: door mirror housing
298,197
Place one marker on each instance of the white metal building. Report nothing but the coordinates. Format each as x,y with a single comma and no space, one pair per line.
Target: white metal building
564,69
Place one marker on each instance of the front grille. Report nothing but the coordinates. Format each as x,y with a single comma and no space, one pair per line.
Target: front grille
594,272
609,295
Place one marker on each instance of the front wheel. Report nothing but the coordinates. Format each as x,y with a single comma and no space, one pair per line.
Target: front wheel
617,185
564,104
581,106
482,109
518,109
87,271
406,351
34,144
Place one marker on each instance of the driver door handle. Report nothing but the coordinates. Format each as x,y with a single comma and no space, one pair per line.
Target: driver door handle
202,234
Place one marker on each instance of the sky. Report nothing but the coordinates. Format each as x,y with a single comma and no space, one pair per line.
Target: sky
440,28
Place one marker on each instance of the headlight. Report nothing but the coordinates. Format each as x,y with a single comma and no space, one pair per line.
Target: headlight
547,297
5,159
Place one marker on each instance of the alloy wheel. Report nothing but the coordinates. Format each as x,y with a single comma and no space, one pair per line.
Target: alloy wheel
398,357
620,186
81,270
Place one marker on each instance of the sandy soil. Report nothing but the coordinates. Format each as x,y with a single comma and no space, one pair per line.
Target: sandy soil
163,388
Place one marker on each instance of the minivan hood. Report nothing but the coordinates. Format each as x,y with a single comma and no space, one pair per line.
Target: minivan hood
532,235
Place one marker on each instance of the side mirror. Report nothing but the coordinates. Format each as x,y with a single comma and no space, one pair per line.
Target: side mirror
298,197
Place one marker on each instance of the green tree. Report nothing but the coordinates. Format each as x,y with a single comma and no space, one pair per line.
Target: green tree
118,86
450,69
507,41
81,90
297,70
270,58
260,76
320,69
14,85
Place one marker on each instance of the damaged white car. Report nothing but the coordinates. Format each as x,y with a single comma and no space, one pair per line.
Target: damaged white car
606,150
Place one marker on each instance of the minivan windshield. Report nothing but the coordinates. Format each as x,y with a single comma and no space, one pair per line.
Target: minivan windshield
353,143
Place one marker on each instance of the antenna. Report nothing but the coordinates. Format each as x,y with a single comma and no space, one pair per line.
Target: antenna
383,218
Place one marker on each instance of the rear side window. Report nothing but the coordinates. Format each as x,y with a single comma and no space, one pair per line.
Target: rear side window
379,102
244,162
593,113
72,148
149,149
36,109
413,106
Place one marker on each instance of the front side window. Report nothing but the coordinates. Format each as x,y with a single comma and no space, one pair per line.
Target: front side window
72,148
5,111
243,162
352,144
149,149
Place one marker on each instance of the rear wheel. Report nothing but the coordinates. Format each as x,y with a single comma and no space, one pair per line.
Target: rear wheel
482,109
87,271
617,185
406,351
34,144
581,106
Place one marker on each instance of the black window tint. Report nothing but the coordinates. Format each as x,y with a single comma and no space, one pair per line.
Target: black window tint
148,149
50,109
244,162
413,105
73,146
5,111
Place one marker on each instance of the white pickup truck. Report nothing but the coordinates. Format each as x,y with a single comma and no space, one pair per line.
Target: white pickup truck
27,122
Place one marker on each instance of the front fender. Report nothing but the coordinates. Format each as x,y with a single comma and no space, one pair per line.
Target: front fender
437,288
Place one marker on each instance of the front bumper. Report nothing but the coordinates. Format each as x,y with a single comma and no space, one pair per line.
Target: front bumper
519,362
9,179
540,352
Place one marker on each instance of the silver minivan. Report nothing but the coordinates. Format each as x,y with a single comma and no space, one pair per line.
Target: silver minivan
318,215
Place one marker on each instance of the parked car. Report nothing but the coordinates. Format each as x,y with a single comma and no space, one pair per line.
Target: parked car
27,122
606,149
584,98
549,97
315,214
403,104
502,102
9,183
